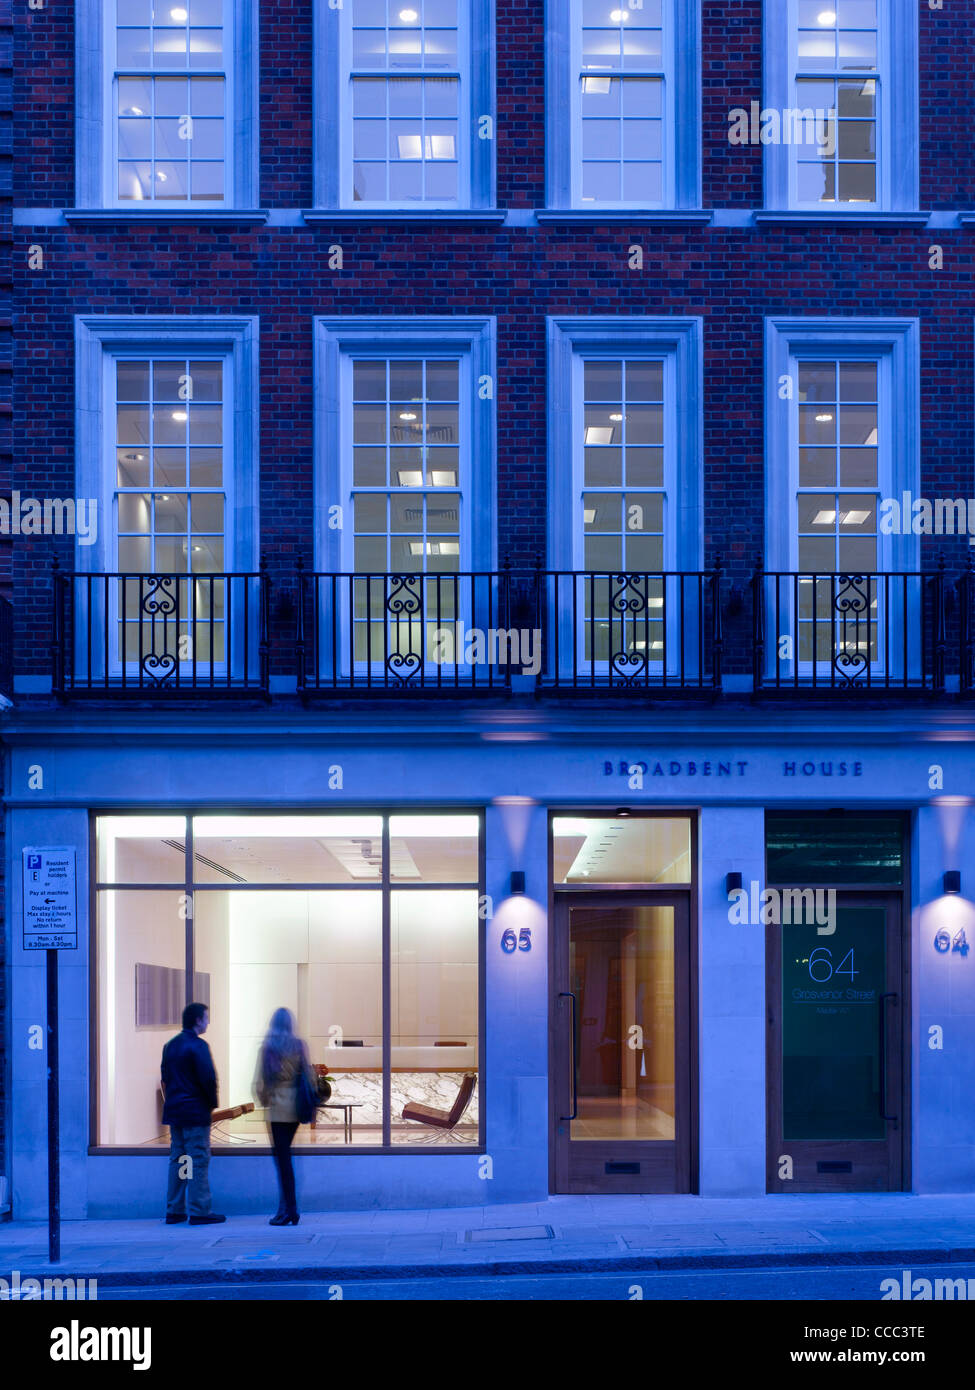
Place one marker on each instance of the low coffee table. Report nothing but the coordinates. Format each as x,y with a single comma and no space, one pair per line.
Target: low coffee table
348,1106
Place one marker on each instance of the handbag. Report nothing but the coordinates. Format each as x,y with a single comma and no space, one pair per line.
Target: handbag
306,1097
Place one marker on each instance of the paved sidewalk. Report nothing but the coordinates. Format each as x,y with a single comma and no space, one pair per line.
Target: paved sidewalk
561,1234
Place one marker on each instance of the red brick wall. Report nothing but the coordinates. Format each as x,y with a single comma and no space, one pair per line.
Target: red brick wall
731,276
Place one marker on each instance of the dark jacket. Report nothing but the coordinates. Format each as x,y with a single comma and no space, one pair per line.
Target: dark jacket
189,1080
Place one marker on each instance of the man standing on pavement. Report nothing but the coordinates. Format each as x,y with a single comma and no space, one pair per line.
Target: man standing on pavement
190,1095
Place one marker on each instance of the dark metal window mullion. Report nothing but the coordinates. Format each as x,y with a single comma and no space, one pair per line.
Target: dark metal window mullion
188,908
387,979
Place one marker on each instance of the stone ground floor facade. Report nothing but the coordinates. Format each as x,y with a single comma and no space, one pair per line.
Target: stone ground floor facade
723,956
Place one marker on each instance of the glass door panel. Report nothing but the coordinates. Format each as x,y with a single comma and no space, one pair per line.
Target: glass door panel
621,1044
622,970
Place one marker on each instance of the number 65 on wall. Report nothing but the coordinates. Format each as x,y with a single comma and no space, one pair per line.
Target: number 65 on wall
521,942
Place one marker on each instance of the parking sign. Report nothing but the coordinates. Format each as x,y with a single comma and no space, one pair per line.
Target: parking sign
50,898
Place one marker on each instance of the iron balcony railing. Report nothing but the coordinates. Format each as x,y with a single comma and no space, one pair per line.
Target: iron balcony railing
468,632
157,634
630,631
400,633
847,633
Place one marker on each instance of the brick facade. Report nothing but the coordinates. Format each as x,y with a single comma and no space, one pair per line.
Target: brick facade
733,276
733,273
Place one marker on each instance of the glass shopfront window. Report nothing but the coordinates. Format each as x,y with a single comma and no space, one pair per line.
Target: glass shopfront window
256,912
621,849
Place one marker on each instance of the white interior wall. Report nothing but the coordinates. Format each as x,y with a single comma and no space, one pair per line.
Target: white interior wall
434,967
345,937
268,937
149,930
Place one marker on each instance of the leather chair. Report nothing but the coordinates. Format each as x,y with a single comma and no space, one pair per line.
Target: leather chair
443,1119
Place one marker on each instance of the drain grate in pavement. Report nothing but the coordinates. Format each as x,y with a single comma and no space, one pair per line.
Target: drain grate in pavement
493,1233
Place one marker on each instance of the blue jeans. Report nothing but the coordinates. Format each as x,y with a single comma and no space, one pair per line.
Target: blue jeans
189,1154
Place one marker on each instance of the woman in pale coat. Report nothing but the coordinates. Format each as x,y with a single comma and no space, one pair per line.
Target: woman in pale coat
282,1056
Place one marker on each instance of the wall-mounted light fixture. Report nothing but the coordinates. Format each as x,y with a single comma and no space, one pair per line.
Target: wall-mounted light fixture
517,881
732,882
623,813
952,881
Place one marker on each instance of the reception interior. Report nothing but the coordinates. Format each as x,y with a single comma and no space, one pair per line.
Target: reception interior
365,926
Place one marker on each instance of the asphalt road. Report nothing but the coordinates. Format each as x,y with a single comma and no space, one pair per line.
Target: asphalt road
846,1283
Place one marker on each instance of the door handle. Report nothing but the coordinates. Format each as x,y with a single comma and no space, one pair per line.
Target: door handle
883,1057
567,994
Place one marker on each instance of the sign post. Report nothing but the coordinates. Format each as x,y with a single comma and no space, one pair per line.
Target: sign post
51,925
53,1115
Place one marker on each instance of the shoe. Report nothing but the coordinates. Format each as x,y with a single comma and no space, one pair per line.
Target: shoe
173,1218
210,1220
284,1219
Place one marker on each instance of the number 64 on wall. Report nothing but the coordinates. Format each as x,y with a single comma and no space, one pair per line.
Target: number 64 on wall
944,942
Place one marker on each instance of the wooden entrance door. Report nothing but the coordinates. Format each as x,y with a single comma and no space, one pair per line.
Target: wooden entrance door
621,1033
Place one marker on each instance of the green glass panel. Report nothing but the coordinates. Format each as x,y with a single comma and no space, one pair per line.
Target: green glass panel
809,849
831,1002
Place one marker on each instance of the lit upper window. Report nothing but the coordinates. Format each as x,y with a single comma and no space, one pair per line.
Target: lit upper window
408,88
406,498
170,101
169,448
837,76
840,103
623,106
622,101
839,461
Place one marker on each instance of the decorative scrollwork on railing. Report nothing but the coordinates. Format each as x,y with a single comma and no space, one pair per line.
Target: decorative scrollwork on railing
403,666
628,593
852,594
404,599
629,668
851,602
158,668
405,594
850,665
630,598
157,596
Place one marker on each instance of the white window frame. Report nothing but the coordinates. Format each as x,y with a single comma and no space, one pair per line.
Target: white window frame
332,98
682,109
349,489
898,123
340,341
99,343
96,139
464,113
670,448
678,342
108,504
895,345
